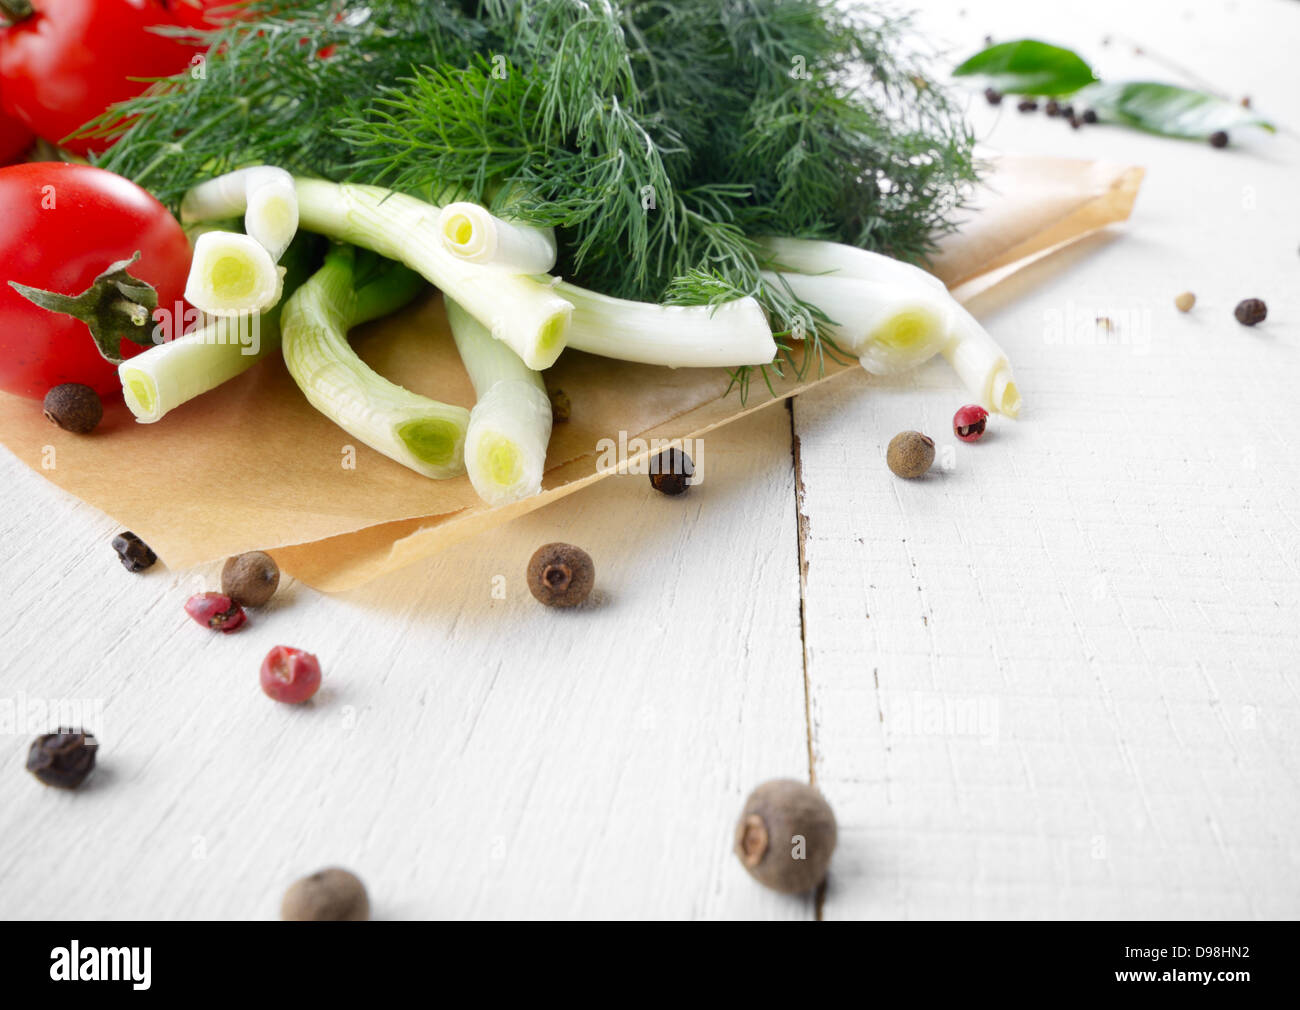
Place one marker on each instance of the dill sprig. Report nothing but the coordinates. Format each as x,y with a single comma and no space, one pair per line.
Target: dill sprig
659,137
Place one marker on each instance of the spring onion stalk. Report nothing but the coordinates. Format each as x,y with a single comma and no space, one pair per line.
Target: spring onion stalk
169,374
527,315
264,195
416,431
505,449
729,334
978,360
814,256
981,364
889,327
232,275
472,233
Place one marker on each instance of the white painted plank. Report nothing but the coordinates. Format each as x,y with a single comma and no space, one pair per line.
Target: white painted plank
1058,678
468,757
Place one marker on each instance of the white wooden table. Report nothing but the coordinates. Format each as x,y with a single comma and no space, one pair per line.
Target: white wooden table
1058,678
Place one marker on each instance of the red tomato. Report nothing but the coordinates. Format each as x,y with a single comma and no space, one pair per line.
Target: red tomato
15,139
71,59
202,14
64,225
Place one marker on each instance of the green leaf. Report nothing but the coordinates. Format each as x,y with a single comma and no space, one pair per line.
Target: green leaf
1168,109
1029,67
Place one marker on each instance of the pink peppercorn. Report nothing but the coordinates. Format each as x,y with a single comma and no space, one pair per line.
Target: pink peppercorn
969,422
290,675
216,611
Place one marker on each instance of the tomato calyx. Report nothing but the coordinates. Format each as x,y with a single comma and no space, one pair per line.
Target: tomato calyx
115,307
16,10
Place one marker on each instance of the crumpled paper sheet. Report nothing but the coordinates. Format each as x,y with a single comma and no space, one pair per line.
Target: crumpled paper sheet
252,466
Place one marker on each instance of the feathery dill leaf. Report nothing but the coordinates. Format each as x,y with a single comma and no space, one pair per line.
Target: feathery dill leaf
659,137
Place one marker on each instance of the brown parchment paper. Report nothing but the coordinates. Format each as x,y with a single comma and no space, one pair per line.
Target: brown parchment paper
251,466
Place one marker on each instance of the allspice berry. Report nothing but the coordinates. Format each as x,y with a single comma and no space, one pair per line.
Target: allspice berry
910,454
560,575
329,895
786,835
1250,311
250,579
74,407
1185,301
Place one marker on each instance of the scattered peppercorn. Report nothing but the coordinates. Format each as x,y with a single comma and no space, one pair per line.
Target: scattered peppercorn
74,407
786,835
1185,301
910,454
1089,115
216,611
1053,107
1219,138
993,96
290,675
62,759
560,575
133,552
671,472
250,579
1074,121
1027,105
560,406
1245,101
1250,311
330,895
969,422
1067,111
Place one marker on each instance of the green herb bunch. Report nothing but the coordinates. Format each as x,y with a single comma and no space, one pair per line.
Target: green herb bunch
659,137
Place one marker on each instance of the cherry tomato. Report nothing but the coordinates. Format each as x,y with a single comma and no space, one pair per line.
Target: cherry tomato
64,224
69,60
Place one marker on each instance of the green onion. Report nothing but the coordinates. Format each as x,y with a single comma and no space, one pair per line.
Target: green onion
419,432
728,334
976,357
167,375
890,327
232,275
505,449
470,232
264,195
527,315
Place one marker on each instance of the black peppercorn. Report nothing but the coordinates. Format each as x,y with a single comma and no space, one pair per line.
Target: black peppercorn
1053,107
133,552
1219,138
1089,115
993,96
62,759
1250,311
1067,111
560,575
1027,105
786,835
250,579
330,895
671,471
1074,121
74,407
